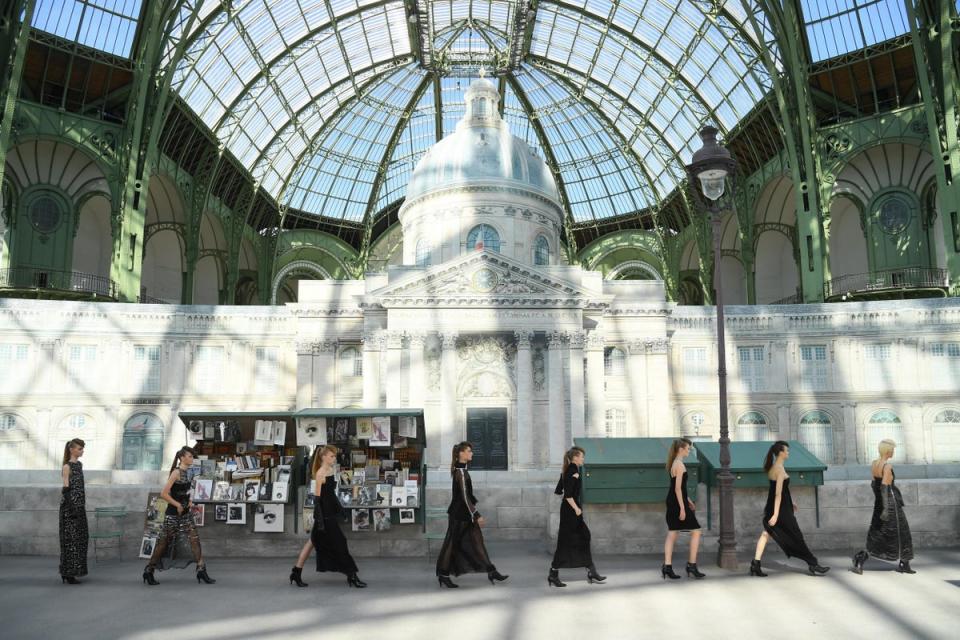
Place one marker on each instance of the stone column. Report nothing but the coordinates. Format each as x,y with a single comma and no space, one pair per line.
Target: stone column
596,386
416,378
577,339
394,368
852,447
557,424
448,393
657,375
304,374
524,458
638,425
371,370
913,434
786,430
325,373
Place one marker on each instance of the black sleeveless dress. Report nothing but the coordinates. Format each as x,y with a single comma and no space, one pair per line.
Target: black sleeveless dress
674,523
463,550
573,536
327,537
786,533
889,535
74,535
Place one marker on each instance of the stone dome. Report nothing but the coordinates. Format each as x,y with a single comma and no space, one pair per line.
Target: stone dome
481,151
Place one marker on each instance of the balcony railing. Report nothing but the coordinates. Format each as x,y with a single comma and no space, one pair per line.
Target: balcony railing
72,282
884,283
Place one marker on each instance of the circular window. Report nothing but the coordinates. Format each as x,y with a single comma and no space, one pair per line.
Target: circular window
894,215
45,214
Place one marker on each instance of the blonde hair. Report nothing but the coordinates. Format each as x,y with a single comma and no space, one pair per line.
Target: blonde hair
886,446
318,457
571,453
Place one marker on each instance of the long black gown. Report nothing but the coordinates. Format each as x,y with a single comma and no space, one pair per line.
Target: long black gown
674,523
786,532
889,538
573,536
74,534
463,550
329,541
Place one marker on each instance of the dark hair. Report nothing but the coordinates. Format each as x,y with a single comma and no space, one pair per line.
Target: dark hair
570,455
457,449
180,454
318,457
675,446
76,442
773,452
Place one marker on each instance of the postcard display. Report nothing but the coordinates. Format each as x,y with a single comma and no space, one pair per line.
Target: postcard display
379,475
243,471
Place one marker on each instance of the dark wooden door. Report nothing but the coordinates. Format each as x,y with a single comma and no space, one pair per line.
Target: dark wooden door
487,430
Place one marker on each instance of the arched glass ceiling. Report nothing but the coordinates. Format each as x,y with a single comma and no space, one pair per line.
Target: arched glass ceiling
108,25
331,103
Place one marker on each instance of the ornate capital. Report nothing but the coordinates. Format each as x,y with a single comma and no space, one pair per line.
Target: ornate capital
374,341
327,345
555,339
394,339
304,347
448,339
657,345
577,339
417,339
523,339
595,341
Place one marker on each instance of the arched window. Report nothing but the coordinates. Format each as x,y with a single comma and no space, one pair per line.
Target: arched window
946,436
616,424
424,257
8,422
693,426
143,442
752,426
483,236
885,424
541,251
614,361
480,108
816,434
76,422
351,362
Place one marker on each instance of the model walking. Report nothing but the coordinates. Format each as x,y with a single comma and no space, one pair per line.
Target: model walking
463,550
680,512
779,522
889,535
74,535
326,536
178,526
573,536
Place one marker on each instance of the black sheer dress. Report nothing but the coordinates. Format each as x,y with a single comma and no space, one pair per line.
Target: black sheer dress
889,535
786,532
573,536
674,523
463,550
179,532
74,535
326,535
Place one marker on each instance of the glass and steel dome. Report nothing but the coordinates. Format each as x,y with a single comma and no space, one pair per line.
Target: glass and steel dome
481,150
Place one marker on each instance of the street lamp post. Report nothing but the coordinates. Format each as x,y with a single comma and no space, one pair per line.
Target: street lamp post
711,165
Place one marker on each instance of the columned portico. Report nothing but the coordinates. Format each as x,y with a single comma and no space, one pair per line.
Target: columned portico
371,369
449,427
557,425
524,425
596,401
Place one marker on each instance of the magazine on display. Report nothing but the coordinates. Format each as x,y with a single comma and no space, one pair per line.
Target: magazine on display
268,518
407,427
383,494
251,490
381,519
220,512
198,511
280,491
202,490
341,430
311,432
236,513
364,428
266,492
407,516
361,520
398,497
381,432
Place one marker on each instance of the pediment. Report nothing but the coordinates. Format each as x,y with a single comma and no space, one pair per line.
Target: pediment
484,278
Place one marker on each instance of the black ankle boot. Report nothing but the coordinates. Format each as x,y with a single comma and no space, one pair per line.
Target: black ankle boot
202,575
858,559
755,569
816,569
494,575
445,581
693,572
554,579
148,577
904,567
593,576
666,571
354,581
295,576
68,580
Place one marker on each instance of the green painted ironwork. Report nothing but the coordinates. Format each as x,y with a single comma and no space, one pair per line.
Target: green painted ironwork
14,36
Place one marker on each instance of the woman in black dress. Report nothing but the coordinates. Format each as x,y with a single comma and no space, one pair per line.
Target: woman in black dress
326,536
889,535
463,550
74,536
178,525
680,512
781,523
573,537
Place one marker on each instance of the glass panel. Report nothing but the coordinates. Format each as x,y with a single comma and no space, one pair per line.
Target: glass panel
107,25
836,27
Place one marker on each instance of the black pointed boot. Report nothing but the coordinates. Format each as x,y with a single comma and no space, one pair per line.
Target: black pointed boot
755,569
296,575
554,579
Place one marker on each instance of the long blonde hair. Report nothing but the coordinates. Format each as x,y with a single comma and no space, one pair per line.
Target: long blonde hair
76,442
675,447
318,454
570,455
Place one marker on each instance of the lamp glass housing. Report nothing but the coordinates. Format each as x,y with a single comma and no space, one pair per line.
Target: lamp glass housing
712,182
